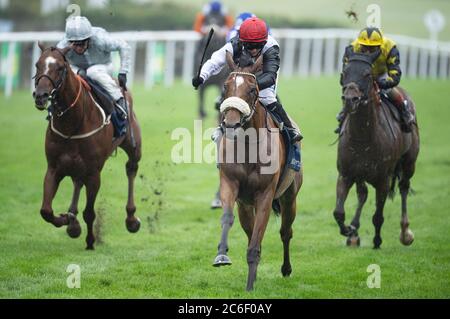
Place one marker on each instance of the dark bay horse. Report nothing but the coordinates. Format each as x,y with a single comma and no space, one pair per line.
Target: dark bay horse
79,139
217,41
372,149
245,181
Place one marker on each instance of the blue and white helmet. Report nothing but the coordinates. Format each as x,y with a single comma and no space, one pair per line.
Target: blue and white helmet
241,18
237,25
78,28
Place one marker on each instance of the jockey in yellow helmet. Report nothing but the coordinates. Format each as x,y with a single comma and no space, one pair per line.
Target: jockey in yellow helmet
385,70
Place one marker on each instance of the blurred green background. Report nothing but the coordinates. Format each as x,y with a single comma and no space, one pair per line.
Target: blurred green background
397,17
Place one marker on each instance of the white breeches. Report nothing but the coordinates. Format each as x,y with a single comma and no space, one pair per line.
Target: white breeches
268,96
102,73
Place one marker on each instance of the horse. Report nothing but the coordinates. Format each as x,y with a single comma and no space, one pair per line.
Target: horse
245,182
372,149
78,141
217,41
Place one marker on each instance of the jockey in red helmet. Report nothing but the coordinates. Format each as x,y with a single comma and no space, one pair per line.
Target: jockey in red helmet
253,41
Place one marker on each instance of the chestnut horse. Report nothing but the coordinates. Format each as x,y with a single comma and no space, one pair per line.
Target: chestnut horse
245,182
79,139
372,149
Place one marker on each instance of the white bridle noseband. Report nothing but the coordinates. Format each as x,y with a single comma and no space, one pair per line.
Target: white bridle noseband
239,104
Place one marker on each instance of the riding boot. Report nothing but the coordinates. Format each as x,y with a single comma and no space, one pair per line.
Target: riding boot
119,118
278,109
407,117
340,118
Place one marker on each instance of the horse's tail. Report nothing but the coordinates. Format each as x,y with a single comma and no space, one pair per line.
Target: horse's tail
395,178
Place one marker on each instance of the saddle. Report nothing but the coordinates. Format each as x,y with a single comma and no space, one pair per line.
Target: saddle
391,107
101,96
292,160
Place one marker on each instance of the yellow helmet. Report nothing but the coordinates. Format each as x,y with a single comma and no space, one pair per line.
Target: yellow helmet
370,37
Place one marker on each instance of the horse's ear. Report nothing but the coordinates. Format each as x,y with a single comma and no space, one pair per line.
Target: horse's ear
230,62
257,66
41,46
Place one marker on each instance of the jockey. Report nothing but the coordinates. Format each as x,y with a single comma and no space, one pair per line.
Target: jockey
386,71
213,13
253,41
91,55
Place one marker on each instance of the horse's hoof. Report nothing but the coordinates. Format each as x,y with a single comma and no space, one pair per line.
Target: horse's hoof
222,260
286,270
74,228
353,241
216,203
407,237
133,225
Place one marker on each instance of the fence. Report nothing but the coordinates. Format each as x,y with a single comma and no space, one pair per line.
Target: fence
166,55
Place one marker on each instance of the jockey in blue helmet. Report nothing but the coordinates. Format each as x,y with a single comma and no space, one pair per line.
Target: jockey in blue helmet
237,25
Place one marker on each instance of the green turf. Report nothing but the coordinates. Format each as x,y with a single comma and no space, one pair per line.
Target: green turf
172,254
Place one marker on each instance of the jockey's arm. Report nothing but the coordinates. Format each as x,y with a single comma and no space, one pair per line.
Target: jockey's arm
218,60
271,65
394,73
111,45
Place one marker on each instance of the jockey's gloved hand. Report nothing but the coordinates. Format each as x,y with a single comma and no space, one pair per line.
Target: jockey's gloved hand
197,81
383,84
123,81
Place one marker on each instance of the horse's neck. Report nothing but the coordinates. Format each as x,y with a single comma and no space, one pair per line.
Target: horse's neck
362,125
69,93
258,119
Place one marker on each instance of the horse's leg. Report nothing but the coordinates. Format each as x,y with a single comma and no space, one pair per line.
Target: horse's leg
382,191
353,238
408,168
247,219
342,188
74,228
216,202
51,184
134,155
92,186
263,208
228,194
288,213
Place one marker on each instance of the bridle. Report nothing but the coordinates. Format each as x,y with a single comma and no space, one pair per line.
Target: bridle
57,85
244,119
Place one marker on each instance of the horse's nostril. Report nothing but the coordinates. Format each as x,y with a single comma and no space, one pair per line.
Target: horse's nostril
355,99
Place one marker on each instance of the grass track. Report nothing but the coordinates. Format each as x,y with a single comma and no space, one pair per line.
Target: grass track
172,254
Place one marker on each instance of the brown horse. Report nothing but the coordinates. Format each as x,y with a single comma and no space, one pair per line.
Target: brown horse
78,141
244,181
372,149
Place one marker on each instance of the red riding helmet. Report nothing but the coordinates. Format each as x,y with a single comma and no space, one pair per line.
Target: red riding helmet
253,30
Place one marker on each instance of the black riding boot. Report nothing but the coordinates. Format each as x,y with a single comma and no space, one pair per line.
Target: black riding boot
407,117
120,117
278,109
340,117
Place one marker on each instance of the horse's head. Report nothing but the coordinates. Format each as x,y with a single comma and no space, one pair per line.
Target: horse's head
241,94
357,80
51,72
